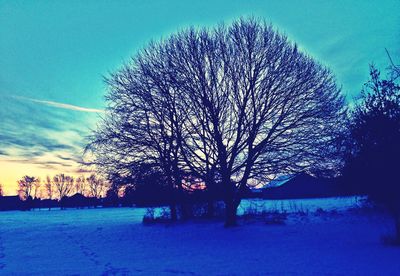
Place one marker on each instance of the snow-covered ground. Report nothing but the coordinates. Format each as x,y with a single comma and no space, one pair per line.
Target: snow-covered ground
115,242
302,205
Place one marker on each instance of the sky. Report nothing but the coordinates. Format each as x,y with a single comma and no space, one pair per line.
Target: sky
54,56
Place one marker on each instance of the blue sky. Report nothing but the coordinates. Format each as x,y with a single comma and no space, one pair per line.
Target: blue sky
54,54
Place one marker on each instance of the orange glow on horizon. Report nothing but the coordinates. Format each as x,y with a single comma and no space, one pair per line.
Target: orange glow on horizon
12,171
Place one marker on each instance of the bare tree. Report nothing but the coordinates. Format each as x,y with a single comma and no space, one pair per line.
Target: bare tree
228,105
63,185
49,187
80,185
1,190
36,189
144,127
266,108
26,185
96,185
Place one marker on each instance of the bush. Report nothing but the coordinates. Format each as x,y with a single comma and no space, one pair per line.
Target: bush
373,147
152,216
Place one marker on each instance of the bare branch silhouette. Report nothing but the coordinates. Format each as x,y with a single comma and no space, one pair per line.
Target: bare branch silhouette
228,105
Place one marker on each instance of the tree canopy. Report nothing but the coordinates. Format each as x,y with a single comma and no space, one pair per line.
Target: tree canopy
228,105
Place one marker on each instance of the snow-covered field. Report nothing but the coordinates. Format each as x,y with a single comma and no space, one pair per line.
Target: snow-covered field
302,205
115,242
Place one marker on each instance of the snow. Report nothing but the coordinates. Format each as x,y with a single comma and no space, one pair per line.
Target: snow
113,241
279,181
302,205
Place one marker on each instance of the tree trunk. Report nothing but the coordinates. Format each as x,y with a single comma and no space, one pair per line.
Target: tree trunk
210,208
185,207
174,216
185,210
230,213
230,206
210,200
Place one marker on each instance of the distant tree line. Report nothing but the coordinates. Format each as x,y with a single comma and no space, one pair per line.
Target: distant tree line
60,186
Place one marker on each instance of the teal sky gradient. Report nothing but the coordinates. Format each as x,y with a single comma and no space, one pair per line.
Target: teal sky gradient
59,51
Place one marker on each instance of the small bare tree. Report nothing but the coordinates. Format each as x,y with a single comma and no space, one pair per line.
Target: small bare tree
63,185
49,187
96,186
80,185
36,189
25,186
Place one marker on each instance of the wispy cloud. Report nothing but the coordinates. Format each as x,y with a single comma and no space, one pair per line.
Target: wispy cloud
61,105
40,139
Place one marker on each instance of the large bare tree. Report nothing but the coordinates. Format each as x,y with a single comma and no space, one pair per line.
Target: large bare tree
229,105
